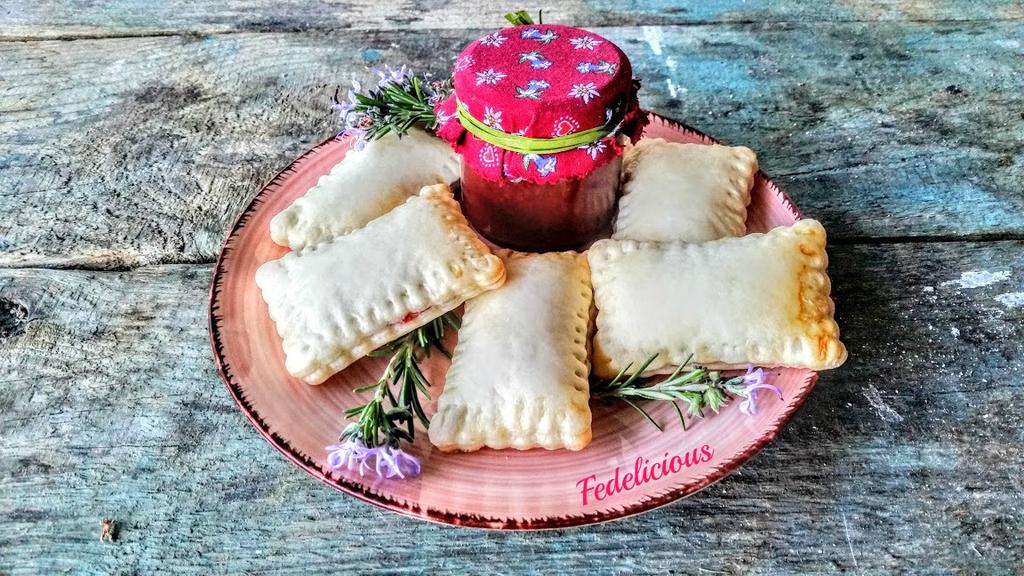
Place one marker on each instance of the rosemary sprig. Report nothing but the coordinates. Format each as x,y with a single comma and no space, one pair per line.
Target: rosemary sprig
698,387
388,418
399,101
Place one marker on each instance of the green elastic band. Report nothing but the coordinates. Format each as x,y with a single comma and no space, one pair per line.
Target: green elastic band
524,144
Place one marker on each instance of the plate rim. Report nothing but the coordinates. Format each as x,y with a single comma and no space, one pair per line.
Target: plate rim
444,517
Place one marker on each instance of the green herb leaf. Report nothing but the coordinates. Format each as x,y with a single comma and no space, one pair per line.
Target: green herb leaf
388,417
714,398
519,18
697,387
399,101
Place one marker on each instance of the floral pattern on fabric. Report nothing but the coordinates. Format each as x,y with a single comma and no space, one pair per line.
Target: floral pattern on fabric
594,148
584,42
584,91
541,81
492,118
601,67
464,62
545,37
534,89
535,59
495,40
489,76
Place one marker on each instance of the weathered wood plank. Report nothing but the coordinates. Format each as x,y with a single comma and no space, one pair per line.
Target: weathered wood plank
52,19
121,152
907,458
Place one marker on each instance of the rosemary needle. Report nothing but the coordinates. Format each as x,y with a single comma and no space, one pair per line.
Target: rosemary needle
389,416
700,388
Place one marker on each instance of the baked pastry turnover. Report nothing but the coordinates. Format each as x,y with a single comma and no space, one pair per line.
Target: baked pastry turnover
760,299
366,184
518,378
336,302
684,192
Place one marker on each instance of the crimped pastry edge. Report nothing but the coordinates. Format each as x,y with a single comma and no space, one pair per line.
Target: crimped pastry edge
487,272
817,309
290,230
728,222
449,431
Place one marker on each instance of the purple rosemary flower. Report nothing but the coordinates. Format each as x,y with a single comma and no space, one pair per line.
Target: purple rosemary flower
348,118
345,106
389,75
356,89
355,135
350,453
755,380
393,462
384,461
436,91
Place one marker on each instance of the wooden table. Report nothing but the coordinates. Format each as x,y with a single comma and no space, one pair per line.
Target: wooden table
132,135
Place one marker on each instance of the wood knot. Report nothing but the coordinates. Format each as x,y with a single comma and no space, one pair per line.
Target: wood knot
107,530
13,318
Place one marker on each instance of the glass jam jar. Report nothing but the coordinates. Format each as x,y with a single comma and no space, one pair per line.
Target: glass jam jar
539,114
533,217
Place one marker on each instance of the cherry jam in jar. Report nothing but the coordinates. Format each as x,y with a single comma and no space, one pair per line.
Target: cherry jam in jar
532,217
539,114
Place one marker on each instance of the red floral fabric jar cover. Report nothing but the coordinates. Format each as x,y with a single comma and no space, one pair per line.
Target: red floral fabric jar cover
541,81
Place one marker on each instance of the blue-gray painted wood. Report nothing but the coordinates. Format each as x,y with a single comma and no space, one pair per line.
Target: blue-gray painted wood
120,152
55,19
908,457
126,153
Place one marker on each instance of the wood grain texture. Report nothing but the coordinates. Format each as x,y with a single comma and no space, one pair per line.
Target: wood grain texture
54,19
139,143
123,152
905,458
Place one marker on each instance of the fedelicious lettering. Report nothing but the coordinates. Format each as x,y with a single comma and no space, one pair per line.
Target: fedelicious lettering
644,470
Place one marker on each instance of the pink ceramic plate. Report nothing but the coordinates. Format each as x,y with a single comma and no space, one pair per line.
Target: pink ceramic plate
490,489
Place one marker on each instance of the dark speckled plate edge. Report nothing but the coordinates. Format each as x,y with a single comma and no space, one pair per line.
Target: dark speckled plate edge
216,323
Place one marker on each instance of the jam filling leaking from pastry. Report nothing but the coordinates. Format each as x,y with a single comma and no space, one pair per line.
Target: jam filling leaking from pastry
336,302
410,317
